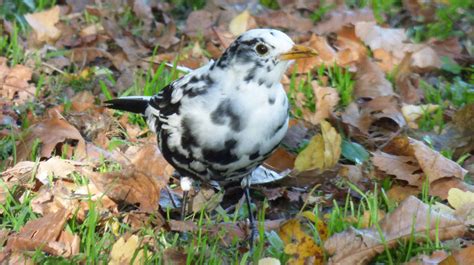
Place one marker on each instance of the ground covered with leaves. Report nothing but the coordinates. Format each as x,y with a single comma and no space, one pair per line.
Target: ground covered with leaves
376,167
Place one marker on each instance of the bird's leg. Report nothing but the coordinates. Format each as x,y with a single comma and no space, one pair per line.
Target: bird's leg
253,227
186,185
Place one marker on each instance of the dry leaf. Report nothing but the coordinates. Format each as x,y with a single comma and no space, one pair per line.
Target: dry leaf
340,17
241,23
131,186
464,256
413,112
402,167
399,193
206,199
435,165
458,198
412,216
123,251
43,23
14,84
280,160
174,256
326,100
56,167
370,81
322,152
53,133
45,233
300,246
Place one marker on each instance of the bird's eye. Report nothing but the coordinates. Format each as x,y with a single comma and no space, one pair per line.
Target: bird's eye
261,49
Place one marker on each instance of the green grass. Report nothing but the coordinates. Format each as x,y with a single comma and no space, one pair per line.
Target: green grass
10,46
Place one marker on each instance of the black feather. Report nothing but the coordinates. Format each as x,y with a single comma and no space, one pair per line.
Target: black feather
135,105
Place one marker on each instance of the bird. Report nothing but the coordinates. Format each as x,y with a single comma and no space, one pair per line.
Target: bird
219,122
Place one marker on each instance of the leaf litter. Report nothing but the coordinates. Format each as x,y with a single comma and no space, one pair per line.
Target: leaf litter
62,157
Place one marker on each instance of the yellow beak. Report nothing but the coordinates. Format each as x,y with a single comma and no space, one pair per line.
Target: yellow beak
298,52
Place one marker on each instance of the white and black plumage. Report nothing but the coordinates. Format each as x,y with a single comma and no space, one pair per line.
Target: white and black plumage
219,122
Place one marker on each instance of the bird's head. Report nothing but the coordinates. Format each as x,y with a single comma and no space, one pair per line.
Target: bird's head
262,55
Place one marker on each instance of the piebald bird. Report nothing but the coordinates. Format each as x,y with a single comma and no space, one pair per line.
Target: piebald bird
219,122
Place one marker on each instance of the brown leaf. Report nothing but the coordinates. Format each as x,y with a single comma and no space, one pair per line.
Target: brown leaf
399,193
14,84
412,216
200,22
402,167
182,226
435,165
286,20
43,23
442,186
340,17
174,256
131,186
464,256
435,258
365,114
326,101
406,81
45,234
53,133
371,81
280,160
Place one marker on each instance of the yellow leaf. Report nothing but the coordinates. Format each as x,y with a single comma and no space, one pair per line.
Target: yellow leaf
239,24
312,156
458,198
332,144
412,113
123,252
43,24
322,152
320,225
298,244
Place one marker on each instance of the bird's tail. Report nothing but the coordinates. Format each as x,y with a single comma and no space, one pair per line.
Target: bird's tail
132,104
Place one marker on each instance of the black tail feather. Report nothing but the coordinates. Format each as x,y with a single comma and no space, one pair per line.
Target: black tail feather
131,104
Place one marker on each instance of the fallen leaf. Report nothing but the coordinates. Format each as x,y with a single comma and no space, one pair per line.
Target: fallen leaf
442,186
53,133
437,257
45,233
300,246
43,23
199,23
130,185
322,152
412,216
326,101
402,167
206,199
241,23
174,256
123,251
14,83
458,198
434,165
280,160
464,256
398,193
340,17
284,19
413,112
366,114
370,81
56,167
